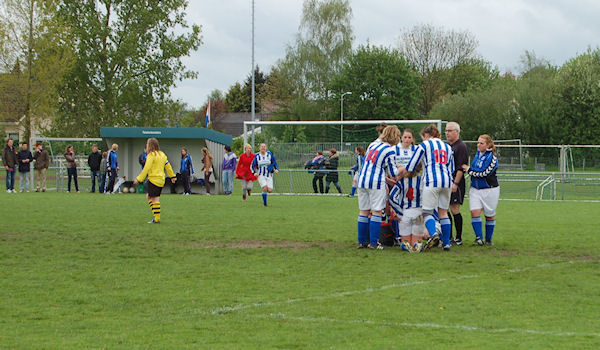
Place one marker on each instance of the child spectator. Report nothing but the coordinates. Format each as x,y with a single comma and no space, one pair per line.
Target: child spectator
186,170
228,167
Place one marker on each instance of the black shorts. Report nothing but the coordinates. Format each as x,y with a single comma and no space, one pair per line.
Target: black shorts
459,196
153,190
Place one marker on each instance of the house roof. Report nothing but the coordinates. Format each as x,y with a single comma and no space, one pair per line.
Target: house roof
166,133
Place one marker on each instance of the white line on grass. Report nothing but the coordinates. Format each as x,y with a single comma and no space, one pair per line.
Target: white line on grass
367,290
427,325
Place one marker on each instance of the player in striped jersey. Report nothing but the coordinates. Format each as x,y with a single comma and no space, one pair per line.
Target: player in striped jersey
405,200
438,166
404,152
263,166
355,170
372,189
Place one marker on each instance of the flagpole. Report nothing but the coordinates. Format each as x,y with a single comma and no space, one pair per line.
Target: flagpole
252,72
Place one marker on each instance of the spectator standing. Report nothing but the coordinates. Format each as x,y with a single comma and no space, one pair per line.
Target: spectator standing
94,160
461,158
331,164
24,157
42,162
317,164
186,169
207,160
71,168
112,167
142,160
9,159
243,171
228,167
102,185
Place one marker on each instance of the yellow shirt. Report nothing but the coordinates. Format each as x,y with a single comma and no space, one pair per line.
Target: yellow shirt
156,164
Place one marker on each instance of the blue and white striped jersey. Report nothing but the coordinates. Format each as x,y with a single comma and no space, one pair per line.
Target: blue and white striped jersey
379,160
264,164
438,163
403,155
360,160
406,194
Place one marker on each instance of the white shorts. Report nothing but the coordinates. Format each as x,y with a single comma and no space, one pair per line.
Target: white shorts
435,197
265,181
412,223
371,199
485,198
355,178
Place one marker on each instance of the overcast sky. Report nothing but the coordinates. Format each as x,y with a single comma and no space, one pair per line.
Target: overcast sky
556,30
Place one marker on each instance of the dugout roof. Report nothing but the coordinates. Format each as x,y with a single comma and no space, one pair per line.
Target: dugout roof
166,133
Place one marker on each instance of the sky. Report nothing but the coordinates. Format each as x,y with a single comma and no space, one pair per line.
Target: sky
555,30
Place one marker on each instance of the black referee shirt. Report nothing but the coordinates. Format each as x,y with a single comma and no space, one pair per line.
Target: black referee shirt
461,156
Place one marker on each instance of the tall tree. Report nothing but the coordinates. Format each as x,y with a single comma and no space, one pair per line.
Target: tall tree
433,51
323,43
128,57
239,97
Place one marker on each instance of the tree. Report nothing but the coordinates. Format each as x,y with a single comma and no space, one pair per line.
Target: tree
382,83
31,33
128,57
323,44
239,98
236,99
433,51
578,99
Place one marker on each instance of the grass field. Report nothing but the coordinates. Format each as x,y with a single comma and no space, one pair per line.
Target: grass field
85,271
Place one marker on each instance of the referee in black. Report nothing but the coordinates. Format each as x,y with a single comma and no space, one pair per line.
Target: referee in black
461,156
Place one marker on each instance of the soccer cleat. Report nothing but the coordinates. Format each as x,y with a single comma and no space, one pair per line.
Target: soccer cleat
379,246
489,243
458,241
154,222
418,247
405,247
478,241
447,248
362,245
397,242
432,242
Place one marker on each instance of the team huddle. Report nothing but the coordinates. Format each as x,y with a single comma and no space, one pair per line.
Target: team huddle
412,186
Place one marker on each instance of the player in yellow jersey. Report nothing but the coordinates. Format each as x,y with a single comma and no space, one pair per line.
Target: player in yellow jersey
156,164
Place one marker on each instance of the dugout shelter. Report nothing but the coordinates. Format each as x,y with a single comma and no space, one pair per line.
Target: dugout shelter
131,141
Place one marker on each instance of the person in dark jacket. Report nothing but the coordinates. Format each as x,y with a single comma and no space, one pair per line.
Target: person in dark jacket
94,160
186,169
71,168
24,158
9,159
102,185
42,162
332,175
317,163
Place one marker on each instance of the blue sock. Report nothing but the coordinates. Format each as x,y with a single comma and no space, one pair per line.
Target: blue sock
264,194
477,226
363,229
353,191
489,229
396,226
374,229
446,230
430,224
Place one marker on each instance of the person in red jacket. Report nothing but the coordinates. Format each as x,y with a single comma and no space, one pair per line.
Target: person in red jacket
243,171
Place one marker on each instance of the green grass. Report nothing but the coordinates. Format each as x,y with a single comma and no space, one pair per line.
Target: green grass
85,271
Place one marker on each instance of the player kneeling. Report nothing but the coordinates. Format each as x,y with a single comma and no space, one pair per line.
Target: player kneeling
405,200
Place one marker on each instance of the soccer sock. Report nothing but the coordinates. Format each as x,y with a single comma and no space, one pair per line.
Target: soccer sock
156,211
264,195
477,226
396,226
353,191
450,217
374,229
430,224
363,229
458,224
489,229
150,203
446,230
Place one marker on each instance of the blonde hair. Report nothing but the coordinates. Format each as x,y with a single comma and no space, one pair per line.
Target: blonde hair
152,145
391,134
247,145
115,147
489,142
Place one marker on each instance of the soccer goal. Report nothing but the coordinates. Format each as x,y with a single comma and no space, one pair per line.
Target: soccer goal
293,143
57,172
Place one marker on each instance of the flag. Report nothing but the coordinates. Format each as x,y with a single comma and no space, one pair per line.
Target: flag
207,120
